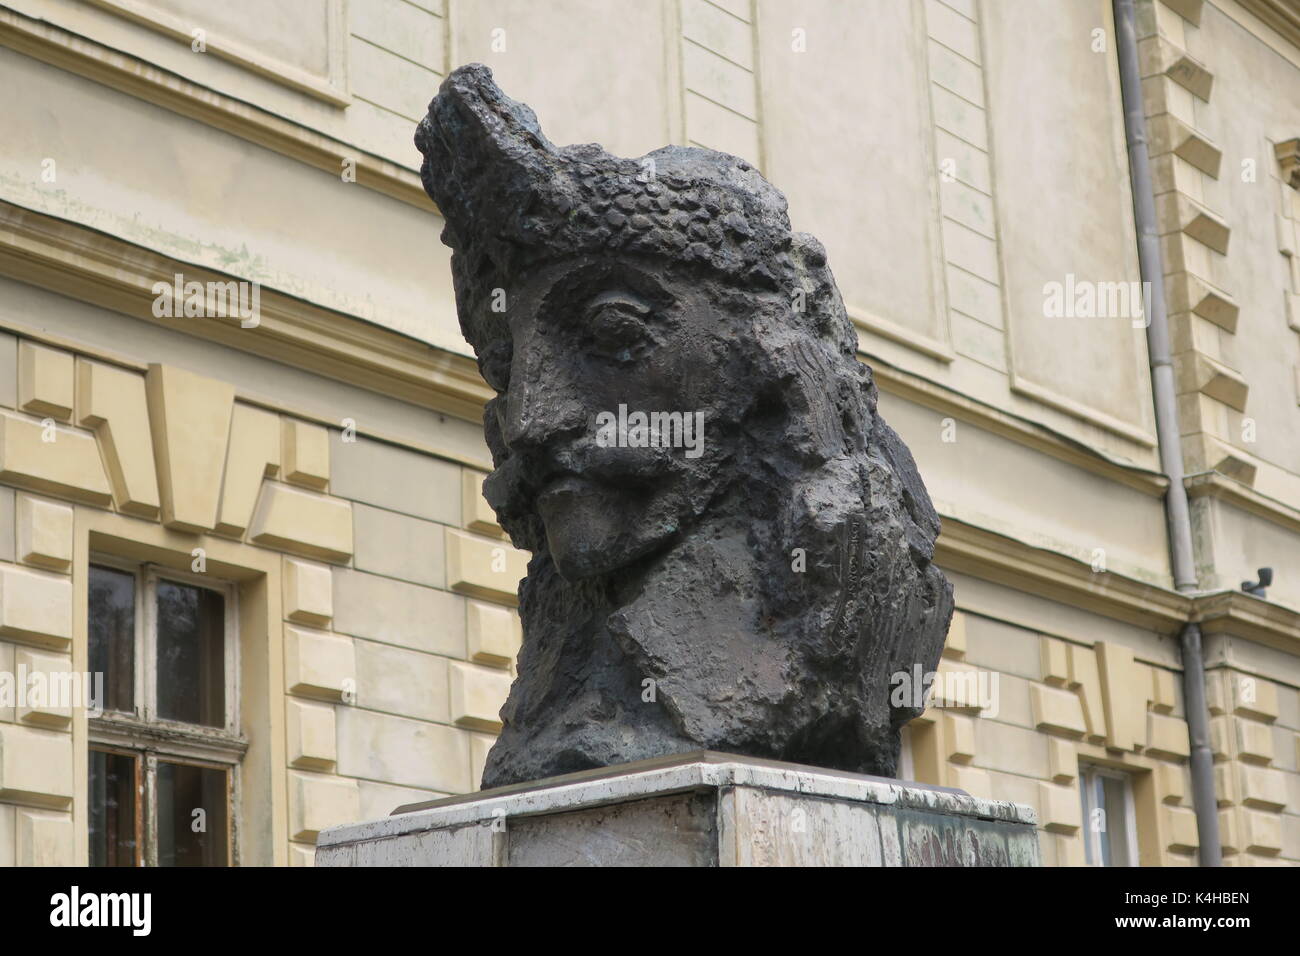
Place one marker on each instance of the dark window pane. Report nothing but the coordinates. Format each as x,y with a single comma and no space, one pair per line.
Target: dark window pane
191,815
112,636
1100,784
191,654
1116,835
112,809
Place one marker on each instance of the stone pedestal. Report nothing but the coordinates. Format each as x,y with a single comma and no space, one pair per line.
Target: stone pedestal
697,809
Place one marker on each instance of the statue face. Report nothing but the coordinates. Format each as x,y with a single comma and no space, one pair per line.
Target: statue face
590,345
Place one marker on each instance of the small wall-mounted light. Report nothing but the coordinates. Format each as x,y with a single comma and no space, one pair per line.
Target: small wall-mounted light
1257,587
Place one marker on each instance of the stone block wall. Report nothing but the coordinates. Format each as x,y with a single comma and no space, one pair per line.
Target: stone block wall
1086,697
394,589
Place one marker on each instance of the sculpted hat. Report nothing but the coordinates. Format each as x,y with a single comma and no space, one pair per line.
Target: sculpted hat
512,199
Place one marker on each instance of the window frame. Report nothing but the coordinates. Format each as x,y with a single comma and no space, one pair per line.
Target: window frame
906,769
1090,776
138,785
229,637
151,739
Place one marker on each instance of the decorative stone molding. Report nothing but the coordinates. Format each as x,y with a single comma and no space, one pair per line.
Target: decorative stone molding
41,712
1100,704
1189,10
35,767
1162,699
1086,681
483,568
959,737
35,607
311,735
118,275
1190,293
1091,703
477,695
1059,809
1203,451
190,420
493,634
1063,761
308,593
306,454
1171,783
1124,710
300,522
1288,158
1169,134
44,381
1181,156
1282,15
478,514
1181,213
1166,737
955,647
963,679
253,454
1057,711
1200,373
1159,57
51,460
1251,791
1094,694
44,533
967,548
43,838
178,446
112,402
318,664
1183,834
317,801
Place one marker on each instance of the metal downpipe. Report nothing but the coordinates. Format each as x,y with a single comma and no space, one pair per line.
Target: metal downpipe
1177,513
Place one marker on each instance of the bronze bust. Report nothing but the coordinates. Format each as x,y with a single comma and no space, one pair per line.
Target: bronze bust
731,550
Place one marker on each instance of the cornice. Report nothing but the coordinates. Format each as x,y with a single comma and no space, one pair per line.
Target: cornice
105,271
110,272
1212,484
1246,616
1040,438
969,549
1282,15
983,554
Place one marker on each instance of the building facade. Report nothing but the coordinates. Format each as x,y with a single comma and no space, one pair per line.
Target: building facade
241,450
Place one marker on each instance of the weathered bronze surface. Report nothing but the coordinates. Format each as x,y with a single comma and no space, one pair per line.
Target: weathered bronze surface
748,568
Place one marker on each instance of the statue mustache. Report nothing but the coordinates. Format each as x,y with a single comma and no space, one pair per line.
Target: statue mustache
523,475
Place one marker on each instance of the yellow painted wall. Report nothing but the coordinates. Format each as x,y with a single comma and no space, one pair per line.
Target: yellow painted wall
954,157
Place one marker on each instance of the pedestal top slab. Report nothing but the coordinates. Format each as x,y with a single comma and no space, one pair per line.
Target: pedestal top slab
683,773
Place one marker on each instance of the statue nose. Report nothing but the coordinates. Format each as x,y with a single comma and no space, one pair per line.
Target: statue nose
540,406
521,422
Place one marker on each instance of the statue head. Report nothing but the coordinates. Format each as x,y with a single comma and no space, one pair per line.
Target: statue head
685,441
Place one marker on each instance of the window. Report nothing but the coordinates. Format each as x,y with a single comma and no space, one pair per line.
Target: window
165,744
1109,822
906,762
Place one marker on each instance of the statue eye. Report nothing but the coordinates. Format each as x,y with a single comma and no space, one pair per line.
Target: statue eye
617,328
